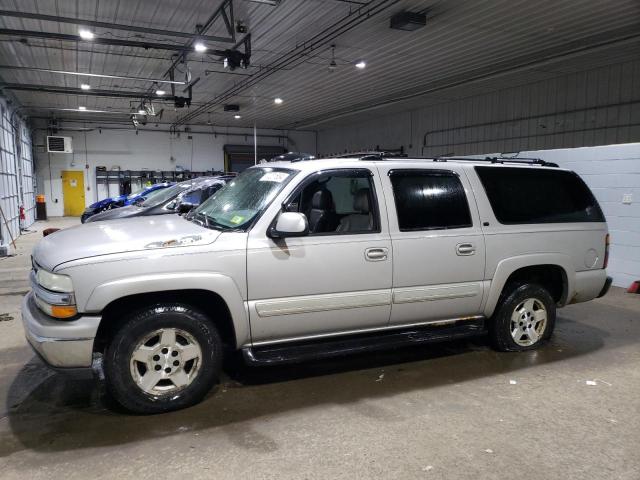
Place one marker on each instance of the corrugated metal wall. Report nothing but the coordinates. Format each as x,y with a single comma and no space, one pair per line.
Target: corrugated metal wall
16,175
595,107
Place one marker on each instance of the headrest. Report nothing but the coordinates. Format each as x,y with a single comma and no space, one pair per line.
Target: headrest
322,200
361,201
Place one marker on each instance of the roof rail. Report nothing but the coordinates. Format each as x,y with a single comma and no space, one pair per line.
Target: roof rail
502,160
372,155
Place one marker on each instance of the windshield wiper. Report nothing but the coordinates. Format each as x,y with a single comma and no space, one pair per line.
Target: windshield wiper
209,222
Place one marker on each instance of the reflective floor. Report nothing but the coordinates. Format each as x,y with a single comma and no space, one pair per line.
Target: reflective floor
457,410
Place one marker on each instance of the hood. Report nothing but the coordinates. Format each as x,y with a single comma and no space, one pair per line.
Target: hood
123,212
119,236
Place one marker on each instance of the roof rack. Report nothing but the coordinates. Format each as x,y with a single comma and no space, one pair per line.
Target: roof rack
502,160
372,155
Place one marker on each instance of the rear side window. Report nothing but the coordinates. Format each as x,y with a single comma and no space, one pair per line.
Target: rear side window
527,195
429,200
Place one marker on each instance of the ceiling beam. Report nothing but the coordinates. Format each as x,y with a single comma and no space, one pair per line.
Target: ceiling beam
78,91
116,26
94,75
102,41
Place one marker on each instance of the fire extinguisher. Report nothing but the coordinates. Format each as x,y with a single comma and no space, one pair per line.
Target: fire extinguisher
22,217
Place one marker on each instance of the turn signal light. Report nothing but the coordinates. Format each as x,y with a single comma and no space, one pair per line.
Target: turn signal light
63,311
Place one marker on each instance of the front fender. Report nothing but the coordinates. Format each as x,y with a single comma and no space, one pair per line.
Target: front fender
509,265
217,283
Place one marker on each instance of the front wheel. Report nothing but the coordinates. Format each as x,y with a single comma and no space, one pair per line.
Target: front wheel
163,358
524,319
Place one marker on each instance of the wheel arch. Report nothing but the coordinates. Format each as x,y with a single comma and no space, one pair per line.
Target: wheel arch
552,271
216,295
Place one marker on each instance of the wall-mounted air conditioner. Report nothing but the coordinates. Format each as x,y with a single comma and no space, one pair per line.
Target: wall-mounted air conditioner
59,145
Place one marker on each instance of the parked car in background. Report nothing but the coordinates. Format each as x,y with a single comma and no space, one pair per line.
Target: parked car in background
121,200
179,198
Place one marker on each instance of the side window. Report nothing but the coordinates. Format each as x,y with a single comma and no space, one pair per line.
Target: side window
538,195
192,197
338,202
429,200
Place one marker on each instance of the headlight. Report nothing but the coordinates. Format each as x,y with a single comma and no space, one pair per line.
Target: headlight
54,281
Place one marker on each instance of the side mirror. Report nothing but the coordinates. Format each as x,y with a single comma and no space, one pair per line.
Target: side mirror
185,207
290,224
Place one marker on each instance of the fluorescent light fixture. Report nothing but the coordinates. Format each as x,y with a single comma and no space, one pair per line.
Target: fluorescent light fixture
160,92
82,108
86,34
237,117
85,86
200,47
361,64
277,100
142,112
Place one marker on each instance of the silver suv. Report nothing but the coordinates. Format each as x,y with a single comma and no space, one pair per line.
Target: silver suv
294,261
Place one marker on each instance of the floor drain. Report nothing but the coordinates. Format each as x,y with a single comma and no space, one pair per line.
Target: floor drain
5,317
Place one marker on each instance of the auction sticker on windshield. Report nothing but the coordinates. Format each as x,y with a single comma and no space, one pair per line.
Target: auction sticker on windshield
277,177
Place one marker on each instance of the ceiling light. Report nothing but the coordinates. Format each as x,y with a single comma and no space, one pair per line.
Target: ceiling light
160,92
200,47
82,108
85,86
85,34
277,100
237,117
142,112
361,64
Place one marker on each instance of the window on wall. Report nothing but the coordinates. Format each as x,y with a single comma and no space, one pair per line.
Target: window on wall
538,195
429,200
338,202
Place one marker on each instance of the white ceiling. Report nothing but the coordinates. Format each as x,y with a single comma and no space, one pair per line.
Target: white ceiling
463,40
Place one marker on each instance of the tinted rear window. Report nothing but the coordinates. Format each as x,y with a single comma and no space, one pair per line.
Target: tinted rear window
429,200
527,195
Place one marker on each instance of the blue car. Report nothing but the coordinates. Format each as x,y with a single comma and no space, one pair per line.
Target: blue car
121,201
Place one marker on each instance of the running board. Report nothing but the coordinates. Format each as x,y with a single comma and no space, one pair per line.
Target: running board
295,352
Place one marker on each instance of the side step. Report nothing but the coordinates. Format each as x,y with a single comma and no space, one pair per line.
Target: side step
295,352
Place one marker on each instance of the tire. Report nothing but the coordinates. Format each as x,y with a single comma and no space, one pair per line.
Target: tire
517,324
180,349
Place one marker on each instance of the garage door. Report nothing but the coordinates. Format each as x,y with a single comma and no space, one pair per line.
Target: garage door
28,178
8,180
240,157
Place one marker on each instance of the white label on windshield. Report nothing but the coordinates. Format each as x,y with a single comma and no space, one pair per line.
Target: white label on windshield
277,177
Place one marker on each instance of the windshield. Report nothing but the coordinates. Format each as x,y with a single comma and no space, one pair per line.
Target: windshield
238,203
162,195
136,193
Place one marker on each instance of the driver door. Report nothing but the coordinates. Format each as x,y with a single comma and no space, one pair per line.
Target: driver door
335,279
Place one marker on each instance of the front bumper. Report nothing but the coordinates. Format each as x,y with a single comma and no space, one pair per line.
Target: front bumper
60,343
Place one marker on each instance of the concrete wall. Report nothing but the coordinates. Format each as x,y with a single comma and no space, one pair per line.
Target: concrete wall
152,150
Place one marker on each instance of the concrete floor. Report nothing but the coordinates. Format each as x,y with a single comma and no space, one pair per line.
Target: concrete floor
456,410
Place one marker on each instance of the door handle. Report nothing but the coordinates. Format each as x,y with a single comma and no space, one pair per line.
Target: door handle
376,254
464,249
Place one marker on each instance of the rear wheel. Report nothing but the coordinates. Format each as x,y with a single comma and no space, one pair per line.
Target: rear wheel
163,358
524,319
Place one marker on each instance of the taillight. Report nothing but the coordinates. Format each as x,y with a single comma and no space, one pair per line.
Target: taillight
606,251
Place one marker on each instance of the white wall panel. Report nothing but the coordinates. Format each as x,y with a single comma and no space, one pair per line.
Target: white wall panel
146,150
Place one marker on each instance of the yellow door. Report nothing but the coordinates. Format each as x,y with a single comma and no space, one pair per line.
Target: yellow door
73,192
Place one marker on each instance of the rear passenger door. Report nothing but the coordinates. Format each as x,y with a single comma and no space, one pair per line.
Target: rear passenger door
437,242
